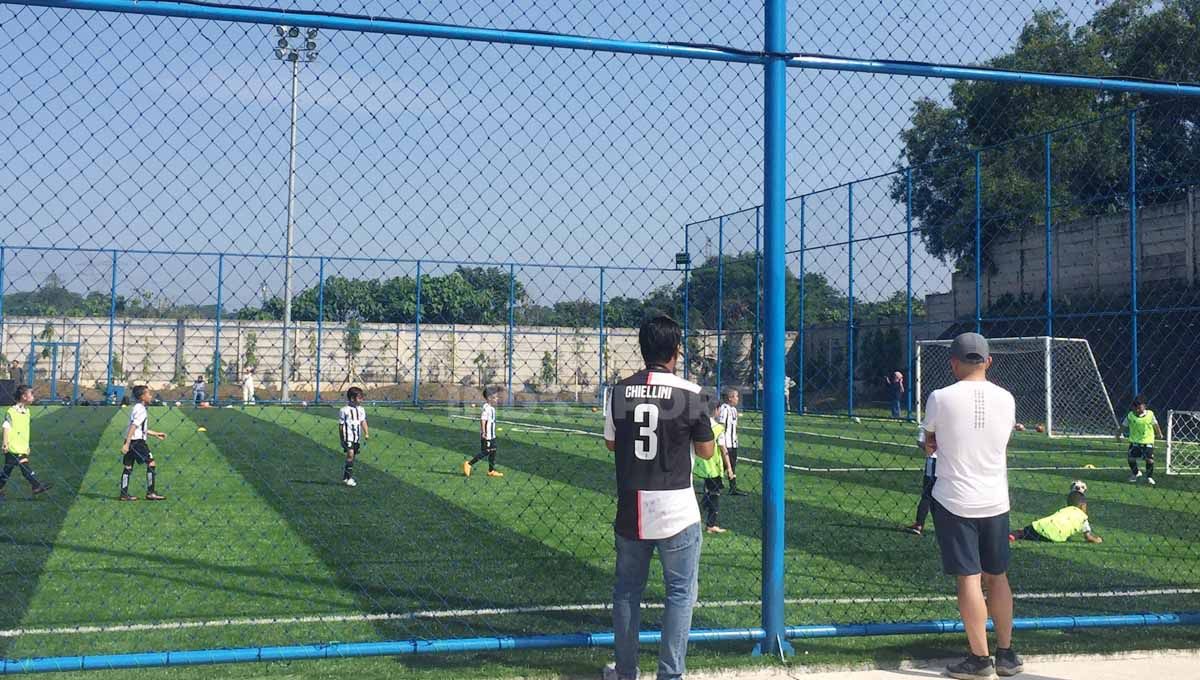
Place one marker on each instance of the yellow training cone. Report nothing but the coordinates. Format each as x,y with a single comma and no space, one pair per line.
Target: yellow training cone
202,429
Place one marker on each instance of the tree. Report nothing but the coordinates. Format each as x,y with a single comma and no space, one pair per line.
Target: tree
250,355
486,371
1133,38
549,373
352,344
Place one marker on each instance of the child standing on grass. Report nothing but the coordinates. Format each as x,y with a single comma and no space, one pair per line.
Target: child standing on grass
17,429
927,481
727,416
1062,525
136,449
1141,427
710,471
352,427
487,434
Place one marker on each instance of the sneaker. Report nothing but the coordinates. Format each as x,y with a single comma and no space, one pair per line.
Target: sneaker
1008,663
915,529
1134,477
466,468
610,673
1150,481
495,473
126,497
155,497
972,668
350,482
42,489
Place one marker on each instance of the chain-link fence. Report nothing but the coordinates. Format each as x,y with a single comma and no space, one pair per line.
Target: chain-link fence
252,209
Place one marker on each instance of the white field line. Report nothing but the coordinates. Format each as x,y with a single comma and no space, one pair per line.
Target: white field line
546,609
532,427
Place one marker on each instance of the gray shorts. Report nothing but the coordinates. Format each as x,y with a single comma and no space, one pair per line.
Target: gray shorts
971,545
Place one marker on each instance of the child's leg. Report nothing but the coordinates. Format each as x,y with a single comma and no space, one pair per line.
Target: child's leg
348,468
1149,455
127,470
483,452
491,458
29,474
150,472
10,462
926,501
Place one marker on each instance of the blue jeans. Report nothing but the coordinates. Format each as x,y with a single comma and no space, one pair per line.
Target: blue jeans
896,407
680,557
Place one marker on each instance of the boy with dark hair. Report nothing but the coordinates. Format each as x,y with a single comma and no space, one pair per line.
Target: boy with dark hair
135,449
1062,525
727,417
352,427
487,433
17,428
1141,427
927,481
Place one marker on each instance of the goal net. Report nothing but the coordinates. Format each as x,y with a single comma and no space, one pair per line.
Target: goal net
1055,381
1183,442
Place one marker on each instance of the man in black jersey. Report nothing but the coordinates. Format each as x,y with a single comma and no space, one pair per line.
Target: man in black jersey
654,419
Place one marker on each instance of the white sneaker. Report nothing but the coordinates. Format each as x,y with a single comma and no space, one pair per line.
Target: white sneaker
1134,477
350,482
1150,481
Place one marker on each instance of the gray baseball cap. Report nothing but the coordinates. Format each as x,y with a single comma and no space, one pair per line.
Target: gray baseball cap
970,348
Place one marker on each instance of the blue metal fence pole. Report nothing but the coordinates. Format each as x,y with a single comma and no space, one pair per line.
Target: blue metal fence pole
908,293
756,341
600,393
217,340
512,293
774,241
54,372
850,302
720,296
1049,244
687,285
800,368
75,380
3,258
978,244
416,395
112,323
1133,251
320,324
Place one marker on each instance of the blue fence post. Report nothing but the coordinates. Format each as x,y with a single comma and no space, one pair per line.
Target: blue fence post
54,372
320,323
3,336
850,301
600,393
75,381
800,323
756,341
217,340
416,395
774,241
978,243
687,285
112,323
720,295
1133,251
908,317
512,293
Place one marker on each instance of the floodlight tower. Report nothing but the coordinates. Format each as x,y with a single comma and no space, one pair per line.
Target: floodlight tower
294,48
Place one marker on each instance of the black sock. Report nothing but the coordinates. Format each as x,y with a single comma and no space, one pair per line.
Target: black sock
491,461
4,475
149,480
1133,465
347,471
125,481
30,476
475,459
1150,468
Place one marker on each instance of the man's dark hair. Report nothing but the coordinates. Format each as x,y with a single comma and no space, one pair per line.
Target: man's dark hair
490,391
727,393
139,390
353,393
21,390
1139,400
1076,498
659,339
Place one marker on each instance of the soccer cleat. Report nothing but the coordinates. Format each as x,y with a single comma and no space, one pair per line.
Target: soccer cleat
126,497
1150,481
155,497
1134,477
495,473
972,668
915,529
1008,663
42,489
350,482
466,468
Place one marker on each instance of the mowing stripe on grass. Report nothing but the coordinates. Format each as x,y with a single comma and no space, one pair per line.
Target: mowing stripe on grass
532,427
548,609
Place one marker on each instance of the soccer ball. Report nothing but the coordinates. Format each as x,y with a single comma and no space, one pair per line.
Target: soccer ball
177,404
1079,486
1041,427
857,419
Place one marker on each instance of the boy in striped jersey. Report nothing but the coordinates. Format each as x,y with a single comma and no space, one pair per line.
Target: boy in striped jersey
16,442
727,417
352,426
487,434
136,449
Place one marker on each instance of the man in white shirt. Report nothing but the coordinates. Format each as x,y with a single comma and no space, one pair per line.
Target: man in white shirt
968,424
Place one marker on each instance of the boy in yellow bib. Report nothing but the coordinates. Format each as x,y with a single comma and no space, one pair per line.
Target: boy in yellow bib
16,441
710,470
1062,525
1141,427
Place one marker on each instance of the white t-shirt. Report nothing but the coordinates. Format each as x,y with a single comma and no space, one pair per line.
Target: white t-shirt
727,416
138,418
973,420
350,424
487,418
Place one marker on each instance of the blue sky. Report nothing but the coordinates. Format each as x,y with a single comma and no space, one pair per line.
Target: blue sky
144,132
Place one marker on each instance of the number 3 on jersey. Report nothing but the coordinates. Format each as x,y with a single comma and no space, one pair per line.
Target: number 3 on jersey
645,416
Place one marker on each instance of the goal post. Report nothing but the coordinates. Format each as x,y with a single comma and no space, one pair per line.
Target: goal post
52,363
1183,442
1056,382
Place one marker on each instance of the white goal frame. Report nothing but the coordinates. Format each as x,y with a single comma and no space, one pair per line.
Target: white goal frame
1047,344
1173,469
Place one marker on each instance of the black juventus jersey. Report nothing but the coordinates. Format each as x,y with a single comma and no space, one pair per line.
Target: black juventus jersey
653,417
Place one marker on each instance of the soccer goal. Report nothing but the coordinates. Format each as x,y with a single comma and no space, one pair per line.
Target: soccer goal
1183,442
1056,382
54,365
